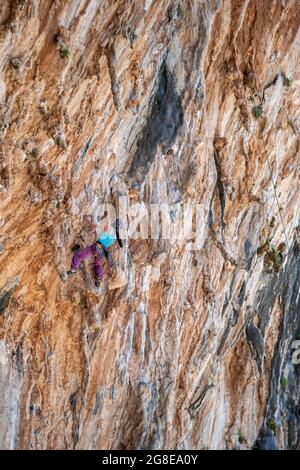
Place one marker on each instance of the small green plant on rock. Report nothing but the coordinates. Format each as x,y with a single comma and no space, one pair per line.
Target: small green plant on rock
60,142
277,257
59,139
179,11
255,445
272,223
64,51
284,383
257,111
272,425
273,256
286,80
241,437
264,248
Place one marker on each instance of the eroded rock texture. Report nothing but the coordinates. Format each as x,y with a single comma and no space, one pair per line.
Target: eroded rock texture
161,101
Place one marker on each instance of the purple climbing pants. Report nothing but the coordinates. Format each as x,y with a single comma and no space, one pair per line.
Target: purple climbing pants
87,252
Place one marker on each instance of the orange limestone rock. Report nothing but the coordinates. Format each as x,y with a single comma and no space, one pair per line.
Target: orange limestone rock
188,341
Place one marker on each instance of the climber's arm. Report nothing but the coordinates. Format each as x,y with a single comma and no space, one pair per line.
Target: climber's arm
109,259
98,268
120,242
89,222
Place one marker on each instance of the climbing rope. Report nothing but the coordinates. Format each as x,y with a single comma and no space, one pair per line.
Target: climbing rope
279,211
277,202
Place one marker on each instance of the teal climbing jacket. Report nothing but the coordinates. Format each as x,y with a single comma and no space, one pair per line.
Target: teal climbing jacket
106,239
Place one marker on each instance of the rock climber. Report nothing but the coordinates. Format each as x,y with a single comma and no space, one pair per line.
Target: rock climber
99,250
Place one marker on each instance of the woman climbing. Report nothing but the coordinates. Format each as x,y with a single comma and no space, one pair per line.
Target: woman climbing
99,250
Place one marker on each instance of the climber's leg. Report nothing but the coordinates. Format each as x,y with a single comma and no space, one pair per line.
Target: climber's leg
79,256
98,270
108,256
71,271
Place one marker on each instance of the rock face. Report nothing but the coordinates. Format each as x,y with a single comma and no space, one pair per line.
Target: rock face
162,102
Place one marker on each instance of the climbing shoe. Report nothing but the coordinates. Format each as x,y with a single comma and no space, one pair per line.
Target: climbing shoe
72,271
64,276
